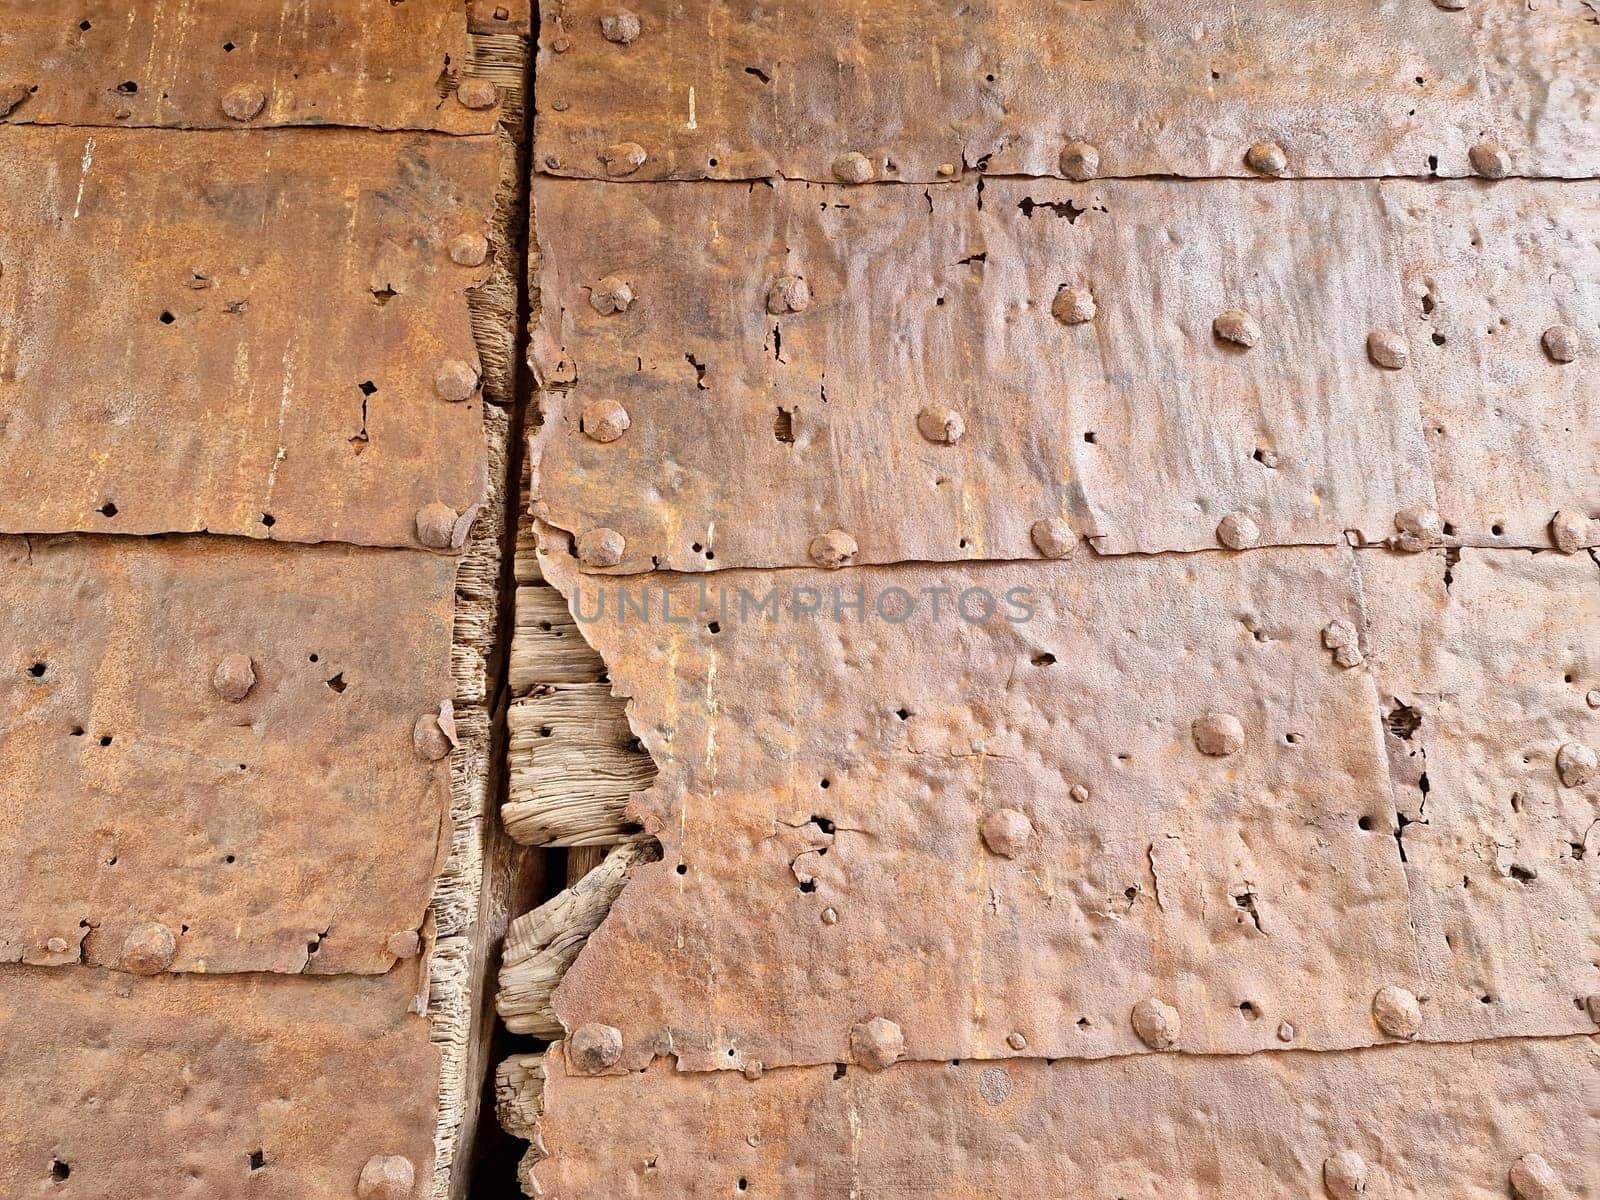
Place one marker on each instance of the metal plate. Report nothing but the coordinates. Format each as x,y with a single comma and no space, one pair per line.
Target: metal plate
207,331
757,90
112,1085
809,765
170,63
1500,856
1427,1121
752,433
295,830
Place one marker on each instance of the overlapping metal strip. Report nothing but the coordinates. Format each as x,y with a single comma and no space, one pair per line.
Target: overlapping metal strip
1207,701
923,91
224,758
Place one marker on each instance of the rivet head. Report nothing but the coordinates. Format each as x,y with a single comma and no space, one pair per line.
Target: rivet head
1418,528
1073,305
1238,327
830,917
613,294
436,525
1532,1178
1016,1041
477,94
1388,349
56,945
604,420
852,168
1560,342
1078,793
407,943
593,1047
12,96
469,249
788,294
1217,734
1286,1031
1344,1175
1080,161
1591,1005
1053,538
1340,636
621,26
560,45
431,738
243,101
1006,832
233,677
947,169
1238,531
1266,158
386,1177
148,949
1490,160
601,547
877,1044
623,158
752,1071
1156,1023
940,425
833,549
1450,5
1592,698
1577,764
1570,530
456,380
1397,1012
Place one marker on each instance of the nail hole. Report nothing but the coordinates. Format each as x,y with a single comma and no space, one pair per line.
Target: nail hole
59,1171
268,520
1249,1011
37,670
337,683
683,868
105,740
258,1159
1365,823
1044,660
108,509
368,388
86,25
903,713
167,318
127,87
826,783
227,47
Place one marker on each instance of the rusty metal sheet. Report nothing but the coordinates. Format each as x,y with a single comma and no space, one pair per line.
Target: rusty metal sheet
827,790
922,91
295,828
229,63
1423,1121
747,434
203,331
1499,837
227,1087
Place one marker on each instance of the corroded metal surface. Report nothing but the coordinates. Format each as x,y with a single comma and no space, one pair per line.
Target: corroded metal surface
293,828
1021,816
180,1086
923,90
230,63
240,334
1423,1121
931,399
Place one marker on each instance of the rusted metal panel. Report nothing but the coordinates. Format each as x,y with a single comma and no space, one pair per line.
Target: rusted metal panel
1421,1120
245,335
229,63
749,432
711,90
1497,828
228,1087
828,789
292,828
